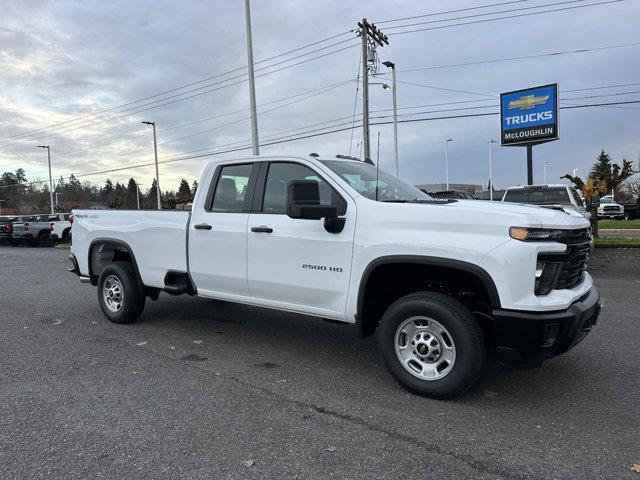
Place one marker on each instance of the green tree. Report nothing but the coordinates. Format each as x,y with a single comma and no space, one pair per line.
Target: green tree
184,189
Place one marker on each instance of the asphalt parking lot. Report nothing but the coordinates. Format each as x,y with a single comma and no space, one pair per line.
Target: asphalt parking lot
199,387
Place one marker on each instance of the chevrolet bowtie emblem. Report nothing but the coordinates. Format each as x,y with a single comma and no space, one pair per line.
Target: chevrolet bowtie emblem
527,102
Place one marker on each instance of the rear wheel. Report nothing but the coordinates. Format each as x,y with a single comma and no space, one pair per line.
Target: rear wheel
44,240
120,294
432,344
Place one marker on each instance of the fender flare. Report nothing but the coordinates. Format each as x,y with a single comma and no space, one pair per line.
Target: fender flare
124,246
471,268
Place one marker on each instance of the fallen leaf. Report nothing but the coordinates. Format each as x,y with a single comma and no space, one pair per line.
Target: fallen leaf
141,344
216,374
307,415
58,322
635,467
94,323
171,347
198,341
332,448
283,380
248,463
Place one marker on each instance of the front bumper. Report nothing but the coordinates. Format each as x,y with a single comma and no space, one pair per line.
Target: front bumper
529,338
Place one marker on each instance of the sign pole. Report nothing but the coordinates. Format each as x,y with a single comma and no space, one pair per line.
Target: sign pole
529,164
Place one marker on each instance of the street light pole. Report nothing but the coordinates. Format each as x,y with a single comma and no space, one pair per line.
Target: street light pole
545,172
252,85
392,66
50,179
138,194
155,148
446,159
491,142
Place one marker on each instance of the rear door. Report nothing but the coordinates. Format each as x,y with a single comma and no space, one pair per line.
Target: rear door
218,231
296,261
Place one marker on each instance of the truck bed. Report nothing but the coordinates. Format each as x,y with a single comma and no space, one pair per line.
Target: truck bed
157,238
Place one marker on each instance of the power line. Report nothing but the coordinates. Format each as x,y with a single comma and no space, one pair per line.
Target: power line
191,96
312,93
313,134
484,14
183,86
526,57
438,27
452,11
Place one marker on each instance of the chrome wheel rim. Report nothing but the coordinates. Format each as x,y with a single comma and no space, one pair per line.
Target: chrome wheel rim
112,293
425,348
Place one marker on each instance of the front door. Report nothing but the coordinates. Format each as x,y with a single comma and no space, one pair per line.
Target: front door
218,232
296,261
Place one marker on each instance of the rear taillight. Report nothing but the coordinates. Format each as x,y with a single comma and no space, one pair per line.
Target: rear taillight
26,227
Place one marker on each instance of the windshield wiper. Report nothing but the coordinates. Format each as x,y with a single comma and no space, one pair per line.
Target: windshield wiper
394,201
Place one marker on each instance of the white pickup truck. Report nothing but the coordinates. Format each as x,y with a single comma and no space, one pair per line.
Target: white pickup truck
440,282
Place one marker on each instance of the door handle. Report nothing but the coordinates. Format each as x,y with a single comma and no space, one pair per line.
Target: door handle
202,226
262,229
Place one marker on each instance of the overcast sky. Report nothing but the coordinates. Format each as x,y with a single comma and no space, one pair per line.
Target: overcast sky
60,60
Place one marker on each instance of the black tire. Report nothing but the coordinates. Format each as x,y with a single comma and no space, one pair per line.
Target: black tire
44,240
462,328
132,293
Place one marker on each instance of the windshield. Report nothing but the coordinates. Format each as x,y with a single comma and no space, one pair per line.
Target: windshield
364,178
538,196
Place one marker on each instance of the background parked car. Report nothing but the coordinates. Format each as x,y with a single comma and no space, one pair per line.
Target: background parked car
610,209
7,224
551,196
34,231
61,231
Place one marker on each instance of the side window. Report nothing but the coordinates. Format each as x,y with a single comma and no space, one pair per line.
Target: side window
231,188
576,197
275,190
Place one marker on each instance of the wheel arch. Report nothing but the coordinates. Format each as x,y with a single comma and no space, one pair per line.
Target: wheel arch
366,323
103,251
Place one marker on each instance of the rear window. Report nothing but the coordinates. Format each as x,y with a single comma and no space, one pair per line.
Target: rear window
539,196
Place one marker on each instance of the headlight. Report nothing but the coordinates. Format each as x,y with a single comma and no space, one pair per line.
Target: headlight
534,234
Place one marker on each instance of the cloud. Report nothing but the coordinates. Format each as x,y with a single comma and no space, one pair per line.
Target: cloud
61,60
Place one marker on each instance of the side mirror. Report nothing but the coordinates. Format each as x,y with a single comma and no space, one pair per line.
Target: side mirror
303,201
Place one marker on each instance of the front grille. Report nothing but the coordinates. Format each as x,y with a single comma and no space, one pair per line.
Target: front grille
611,208
574,261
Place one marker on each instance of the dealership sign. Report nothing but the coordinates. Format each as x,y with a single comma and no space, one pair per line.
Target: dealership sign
529,116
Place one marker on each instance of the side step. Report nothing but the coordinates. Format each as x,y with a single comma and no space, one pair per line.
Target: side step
178,283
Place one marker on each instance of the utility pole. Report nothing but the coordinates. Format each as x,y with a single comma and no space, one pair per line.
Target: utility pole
50,179
392,66
155,148
369,34
252,84
491,142
138,194
446,159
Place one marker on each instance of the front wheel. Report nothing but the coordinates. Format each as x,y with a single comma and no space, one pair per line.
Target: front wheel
120,295
432,344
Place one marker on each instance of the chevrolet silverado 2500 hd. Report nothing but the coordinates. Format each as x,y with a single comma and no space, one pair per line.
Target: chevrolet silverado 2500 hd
440,282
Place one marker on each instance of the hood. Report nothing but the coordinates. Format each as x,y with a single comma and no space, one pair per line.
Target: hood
485,215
